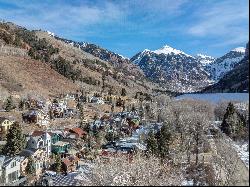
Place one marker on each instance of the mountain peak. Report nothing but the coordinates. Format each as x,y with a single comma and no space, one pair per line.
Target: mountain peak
239,49
166,49
145,50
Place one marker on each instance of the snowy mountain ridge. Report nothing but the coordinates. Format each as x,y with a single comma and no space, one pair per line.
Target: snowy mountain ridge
219,67
172,68
239,49
184,72
166,49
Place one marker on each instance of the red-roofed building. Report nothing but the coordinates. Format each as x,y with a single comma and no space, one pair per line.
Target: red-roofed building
78,132
69,164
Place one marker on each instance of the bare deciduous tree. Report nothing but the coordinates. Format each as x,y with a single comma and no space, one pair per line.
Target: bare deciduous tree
140,171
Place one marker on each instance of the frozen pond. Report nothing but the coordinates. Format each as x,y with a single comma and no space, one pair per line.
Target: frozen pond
217,97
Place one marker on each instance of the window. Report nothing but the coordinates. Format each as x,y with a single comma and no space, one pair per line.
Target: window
13,164
13,176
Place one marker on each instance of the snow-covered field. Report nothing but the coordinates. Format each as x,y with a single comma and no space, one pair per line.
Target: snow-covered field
217,97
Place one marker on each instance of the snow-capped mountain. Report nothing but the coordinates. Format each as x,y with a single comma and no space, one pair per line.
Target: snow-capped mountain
205,60
224,64
173,68
235,80
169,50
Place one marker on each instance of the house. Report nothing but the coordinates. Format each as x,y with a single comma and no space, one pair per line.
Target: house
70,96
62,103
39,157
5,125
36,116
9,169
70,164
95,125
78,132
69,113
40,140
56,136
60,147
96,100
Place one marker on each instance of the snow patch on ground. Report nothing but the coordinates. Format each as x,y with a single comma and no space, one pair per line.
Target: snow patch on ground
51,33
187,183
243,151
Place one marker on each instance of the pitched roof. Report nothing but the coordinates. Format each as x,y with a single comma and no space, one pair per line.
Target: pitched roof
66,161
105,117
40,133
27,152
78,131
73,158
3,119
60,143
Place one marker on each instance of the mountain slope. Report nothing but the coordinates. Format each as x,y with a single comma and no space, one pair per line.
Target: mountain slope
219,67
24,75
117,61
205,60
63,61
172,68
235,80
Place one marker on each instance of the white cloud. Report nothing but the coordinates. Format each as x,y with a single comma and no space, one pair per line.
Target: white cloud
225,18
60,15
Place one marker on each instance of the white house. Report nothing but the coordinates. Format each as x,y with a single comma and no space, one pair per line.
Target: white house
39,157
40,140
96,100
9,169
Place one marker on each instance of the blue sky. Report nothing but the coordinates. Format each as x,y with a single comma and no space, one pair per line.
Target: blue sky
211,27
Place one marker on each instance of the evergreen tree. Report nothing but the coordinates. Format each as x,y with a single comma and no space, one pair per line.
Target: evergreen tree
51,114
21,105
164,139
100,138
87,128
152,144
58,163
109,136
232,124
226,125
81,114
9,104
30,168
15,141
112,108
124,92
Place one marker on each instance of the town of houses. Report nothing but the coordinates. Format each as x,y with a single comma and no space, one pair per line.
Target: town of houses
67,131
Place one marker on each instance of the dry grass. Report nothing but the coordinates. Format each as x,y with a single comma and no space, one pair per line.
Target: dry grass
22,75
